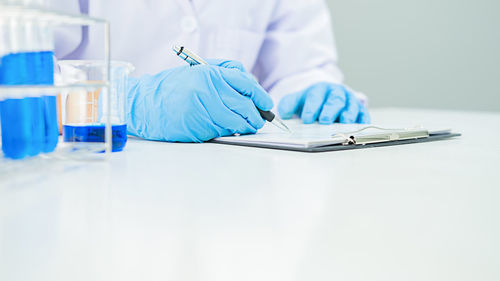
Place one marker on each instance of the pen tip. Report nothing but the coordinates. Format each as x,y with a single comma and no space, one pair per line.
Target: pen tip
177,48
282,125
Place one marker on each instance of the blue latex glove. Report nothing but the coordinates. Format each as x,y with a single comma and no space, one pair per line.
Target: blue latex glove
196,104
326,103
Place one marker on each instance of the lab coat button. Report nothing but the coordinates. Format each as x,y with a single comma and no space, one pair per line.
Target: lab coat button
189,24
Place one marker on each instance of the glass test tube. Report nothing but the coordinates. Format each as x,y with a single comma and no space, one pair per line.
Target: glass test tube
29,124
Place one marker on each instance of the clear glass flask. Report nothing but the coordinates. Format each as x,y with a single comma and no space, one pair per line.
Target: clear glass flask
84,113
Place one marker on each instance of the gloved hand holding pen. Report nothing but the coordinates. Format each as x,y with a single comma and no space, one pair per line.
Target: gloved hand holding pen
196,104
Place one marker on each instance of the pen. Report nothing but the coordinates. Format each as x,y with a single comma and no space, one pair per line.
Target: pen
194,59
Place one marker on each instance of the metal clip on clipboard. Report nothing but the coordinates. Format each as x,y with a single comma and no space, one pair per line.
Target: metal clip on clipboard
386,135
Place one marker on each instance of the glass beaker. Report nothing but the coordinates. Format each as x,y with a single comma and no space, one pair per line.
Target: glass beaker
84,112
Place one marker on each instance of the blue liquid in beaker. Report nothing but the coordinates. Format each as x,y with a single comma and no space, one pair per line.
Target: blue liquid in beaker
95,133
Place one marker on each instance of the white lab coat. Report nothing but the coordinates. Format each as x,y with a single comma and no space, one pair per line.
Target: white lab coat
287,44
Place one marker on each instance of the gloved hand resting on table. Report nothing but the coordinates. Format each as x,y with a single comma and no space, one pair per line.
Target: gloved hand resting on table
196,104
326,103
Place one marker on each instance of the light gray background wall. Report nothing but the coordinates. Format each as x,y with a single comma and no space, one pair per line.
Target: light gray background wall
421,53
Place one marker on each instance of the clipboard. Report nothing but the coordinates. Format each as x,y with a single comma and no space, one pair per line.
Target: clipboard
337,137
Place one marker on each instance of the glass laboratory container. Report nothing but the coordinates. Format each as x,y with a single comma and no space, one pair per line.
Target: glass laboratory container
84,113
29,121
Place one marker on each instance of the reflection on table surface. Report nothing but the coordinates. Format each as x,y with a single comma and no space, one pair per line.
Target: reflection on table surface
162,211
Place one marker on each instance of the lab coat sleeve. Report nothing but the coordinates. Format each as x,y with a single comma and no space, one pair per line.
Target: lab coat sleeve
298,50
66,38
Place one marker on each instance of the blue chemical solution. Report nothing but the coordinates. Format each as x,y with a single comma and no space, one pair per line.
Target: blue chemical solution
95,133
51,128
16,128
45,74
29,125
17,132
37,125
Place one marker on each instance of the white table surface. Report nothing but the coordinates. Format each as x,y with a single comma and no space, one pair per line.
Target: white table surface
161,211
